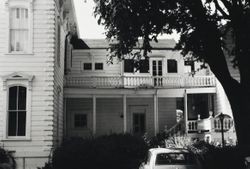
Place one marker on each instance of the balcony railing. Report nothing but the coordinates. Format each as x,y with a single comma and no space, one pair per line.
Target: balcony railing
139,81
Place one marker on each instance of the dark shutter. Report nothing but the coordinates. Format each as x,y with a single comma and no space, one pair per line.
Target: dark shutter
129,65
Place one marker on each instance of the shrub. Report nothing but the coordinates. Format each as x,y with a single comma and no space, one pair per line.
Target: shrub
112,151
216,157
7,161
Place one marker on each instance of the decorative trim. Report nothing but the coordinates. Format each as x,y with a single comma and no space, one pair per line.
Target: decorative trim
19,77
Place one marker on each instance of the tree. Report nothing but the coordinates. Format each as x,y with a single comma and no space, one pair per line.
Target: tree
202,25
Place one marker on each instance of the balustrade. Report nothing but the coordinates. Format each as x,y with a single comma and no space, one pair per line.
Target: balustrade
140,81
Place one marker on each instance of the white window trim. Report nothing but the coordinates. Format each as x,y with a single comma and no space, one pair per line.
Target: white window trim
17,79
28,4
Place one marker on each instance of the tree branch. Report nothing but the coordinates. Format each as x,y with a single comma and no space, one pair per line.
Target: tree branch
217,5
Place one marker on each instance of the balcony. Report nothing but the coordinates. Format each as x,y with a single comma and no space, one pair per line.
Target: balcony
139,81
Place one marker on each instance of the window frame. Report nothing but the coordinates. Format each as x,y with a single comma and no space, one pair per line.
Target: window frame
74,122
26,4
84,66
95,66
17,79
168,67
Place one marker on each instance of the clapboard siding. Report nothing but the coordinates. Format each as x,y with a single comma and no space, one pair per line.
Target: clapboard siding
167,113
108,116
41,63
93,56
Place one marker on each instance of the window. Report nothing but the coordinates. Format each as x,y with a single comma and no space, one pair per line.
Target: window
131,66
17,111
19,29
172,66
87,66
174,158
98,66
80,120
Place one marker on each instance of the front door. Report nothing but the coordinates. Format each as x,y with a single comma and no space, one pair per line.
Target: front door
139,123
157,72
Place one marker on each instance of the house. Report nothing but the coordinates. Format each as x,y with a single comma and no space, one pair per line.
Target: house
34,38
161,95
53,85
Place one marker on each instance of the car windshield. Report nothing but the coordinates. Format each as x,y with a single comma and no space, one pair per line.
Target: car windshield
174,158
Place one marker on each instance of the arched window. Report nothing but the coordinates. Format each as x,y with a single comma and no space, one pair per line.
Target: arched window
172,66
17,111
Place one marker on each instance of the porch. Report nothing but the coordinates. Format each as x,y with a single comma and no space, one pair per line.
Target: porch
140,81
103,111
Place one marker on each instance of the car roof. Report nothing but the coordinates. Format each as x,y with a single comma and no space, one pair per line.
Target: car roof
168,150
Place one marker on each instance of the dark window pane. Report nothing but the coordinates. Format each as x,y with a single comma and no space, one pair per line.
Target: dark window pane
22,98
80,120
21,123
129,65
12,123
98,66
154,68
172,66
144,66
13,98
87,66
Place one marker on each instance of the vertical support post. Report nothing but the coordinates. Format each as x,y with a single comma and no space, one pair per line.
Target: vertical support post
65,117
124,113
156,118
185,112
94,115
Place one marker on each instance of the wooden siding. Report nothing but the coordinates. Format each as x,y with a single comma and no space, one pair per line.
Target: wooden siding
39,63
93,56
79,106
167,113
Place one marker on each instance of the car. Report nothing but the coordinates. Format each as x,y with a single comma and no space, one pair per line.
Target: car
165,158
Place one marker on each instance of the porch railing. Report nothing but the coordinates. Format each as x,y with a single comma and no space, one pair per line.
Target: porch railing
139,81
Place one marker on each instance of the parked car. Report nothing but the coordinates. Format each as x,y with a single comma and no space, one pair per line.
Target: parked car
164,158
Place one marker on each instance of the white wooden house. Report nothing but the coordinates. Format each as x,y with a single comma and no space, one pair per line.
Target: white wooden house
103,98
33,39
48,90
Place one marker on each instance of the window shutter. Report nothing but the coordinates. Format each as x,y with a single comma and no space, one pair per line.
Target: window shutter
129,65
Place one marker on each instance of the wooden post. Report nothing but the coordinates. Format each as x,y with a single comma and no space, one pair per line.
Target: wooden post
186,112
94,115
124,113
156,118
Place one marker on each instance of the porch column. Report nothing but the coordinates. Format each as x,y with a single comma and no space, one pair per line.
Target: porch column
156,115
94,115
64,117
185,112
124,113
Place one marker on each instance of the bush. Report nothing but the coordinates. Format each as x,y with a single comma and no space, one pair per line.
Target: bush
112,151
215,157
7,161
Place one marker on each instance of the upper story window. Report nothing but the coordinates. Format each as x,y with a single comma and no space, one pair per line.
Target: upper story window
98,66
17,111
87,66
19,29
172,66
130,66
20,26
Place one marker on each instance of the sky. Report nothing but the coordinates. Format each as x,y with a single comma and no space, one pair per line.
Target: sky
87,23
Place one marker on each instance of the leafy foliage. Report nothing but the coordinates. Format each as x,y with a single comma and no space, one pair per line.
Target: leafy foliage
6,160
112,151
127,21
